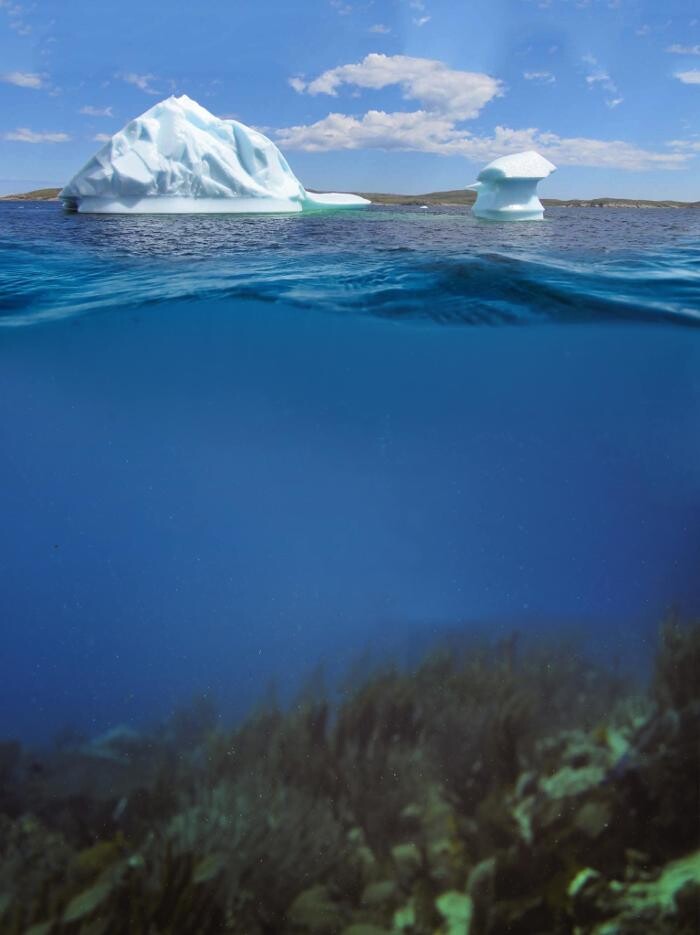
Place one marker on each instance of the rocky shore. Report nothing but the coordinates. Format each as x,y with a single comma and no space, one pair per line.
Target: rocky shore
457,197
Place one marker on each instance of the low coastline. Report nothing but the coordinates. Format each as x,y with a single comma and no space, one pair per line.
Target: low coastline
455,197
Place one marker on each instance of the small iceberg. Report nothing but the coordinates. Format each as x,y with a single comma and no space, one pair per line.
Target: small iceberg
507,187
177,158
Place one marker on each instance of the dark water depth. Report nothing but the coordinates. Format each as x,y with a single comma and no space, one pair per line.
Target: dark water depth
201,490
234,448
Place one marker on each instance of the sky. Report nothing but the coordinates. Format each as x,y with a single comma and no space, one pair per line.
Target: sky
370,95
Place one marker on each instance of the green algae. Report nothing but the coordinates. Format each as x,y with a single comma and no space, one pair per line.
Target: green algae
475,795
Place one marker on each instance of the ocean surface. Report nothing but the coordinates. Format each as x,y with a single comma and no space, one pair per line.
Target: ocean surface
232,448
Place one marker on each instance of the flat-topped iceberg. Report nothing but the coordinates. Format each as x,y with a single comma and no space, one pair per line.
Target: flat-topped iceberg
178,158
507,187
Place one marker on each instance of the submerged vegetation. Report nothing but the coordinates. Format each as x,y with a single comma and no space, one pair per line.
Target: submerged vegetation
486,791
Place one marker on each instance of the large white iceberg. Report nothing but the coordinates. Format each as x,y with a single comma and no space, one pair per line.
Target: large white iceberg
507,187
178,158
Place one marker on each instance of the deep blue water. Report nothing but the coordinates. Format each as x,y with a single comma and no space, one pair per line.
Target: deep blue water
232,446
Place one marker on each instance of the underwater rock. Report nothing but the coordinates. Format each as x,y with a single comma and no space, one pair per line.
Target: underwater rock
587,894
456,909
120,743
542,802
363,928
404,918
177,158
676,683
411,816
408,861
314,911
84,904
444,848
361,858
507,187
481,887
668,904
593,818
209,868
379,894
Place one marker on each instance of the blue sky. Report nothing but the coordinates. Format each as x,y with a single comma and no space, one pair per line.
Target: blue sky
382,95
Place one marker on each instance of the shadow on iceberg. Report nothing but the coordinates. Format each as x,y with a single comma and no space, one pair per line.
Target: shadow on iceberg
177,158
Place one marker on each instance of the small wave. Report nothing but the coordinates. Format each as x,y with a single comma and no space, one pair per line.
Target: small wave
403,265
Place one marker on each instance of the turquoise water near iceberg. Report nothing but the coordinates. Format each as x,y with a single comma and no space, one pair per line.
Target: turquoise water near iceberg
232,447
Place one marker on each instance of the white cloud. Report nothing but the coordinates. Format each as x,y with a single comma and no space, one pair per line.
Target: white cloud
15,12
433,133
462,94
101,137
685,145
143,82
598,77
689,77
343,9
25,135
417,130
96,111
644,30
23,79
447,98
541,77
421,20
684,49
380,29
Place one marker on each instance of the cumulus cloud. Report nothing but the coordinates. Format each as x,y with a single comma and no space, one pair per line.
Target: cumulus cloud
689,77
142,82
447,98
101,137
461,94
96,111
684,49
416,130
432,133
25,135
23,79
421,20
541,77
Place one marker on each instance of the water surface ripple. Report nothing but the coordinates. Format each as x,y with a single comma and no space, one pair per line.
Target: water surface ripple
438,264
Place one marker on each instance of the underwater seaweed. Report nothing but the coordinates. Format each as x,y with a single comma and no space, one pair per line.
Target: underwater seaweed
484,790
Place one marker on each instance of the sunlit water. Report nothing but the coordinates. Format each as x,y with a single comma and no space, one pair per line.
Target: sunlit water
231,447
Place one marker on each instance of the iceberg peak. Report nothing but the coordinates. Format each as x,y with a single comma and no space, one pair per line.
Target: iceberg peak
507,187
177,157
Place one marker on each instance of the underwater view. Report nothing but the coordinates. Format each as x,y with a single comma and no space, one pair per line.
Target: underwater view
349,572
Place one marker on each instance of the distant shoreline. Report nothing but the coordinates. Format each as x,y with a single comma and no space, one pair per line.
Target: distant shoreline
455,197
465,197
